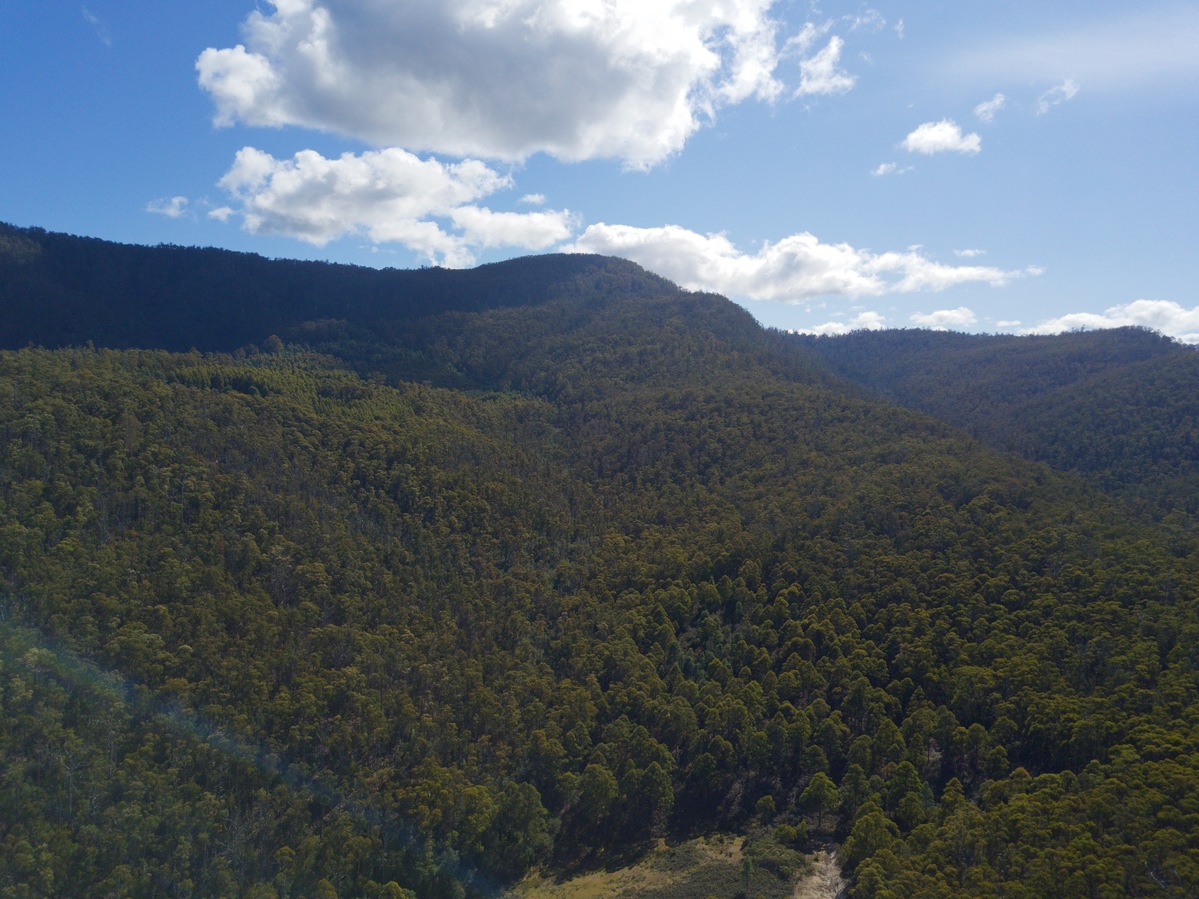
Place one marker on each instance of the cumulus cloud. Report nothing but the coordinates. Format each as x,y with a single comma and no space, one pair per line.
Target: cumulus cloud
969,253
941,137
531,230
796,268
171,207
1056,96
944,319
1165,316
507,78
986,110
864,321
889,168
391,196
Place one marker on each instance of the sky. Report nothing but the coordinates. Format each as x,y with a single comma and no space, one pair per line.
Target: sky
1029,167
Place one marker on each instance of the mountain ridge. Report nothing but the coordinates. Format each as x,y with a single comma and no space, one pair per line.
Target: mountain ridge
176,298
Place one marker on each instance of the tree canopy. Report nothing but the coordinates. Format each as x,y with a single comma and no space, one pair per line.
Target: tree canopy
421,602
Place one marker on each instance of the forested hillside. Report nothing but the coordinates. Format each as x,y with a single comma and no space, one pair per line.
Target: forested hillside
1119,407
61,290
421,600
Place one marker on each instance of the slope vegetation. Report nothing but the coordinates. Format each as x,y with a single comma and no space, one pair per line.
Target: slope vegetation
424,602
1117,407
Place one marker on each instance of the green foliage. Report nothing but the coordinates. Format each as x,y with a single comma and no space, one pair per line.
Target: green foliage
820,796
108,791
1117,406
628,567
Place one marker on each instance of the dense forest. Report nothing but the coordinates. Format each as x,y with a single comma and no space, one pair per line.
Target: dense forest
1118,407
321,581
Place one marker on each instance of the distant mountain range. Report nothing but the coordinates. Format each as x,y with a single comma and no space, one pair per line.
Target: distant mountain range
322,580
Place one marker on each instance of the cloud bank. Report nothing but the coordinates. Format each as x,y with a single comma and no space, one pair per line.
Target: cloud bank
944,319
863,321
503,79
388,196
1165,316
794,269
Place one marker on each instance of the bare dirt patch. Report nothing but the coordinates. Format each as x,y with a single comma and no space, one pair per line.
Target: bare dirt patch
824,882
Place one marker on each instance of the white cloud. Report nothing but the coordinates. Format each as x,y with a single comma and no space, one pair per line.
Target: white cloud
942,319
1165,316
889,168
171,207
222,213
507,78
391,196
864,321
1056,96
245,86
821,74
794,269
533,199
869,321
1015,323
986,110
969,254
941,137
531,230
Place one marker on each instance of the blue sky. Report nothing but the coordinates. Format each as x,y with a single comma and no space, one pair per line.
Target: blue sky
828,165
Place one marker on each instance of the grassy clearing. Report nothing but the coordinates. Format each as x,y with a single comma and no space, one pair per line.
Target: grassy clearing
725,867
